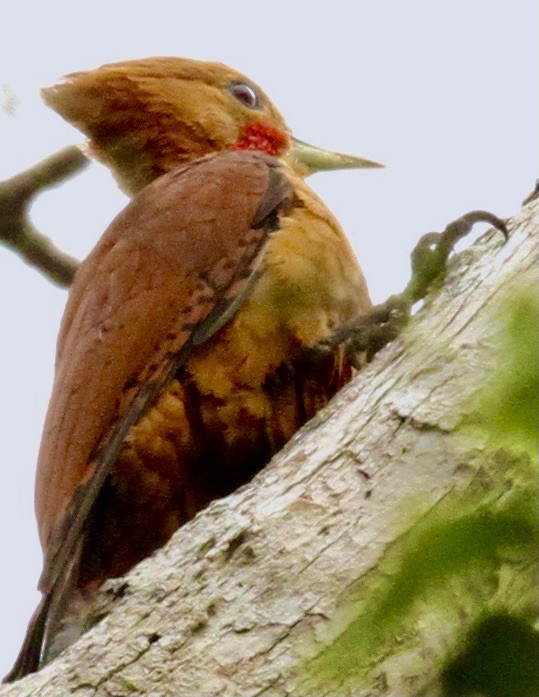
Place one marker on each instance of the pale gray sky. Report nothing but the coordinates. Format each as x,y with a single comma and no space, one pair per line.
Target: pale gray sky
445,93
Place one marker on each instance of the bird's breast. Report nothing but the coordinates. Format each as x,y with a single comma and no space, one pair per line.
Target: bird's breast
310,283
240,396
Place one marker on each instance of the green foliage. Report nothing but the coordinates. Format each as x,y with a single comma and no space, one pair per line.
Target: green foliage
452,562
473,540
448,562
510,406
500,658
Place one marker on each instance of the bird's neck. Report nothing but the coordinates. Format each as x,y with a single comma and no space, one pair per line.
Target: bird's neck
137,156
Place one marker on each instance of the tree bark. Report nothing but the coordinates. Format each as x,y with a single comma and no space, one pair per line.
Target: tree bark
243,595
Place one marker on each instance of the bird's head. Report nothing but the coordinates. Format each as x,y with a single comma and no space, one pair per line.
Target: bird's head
146,117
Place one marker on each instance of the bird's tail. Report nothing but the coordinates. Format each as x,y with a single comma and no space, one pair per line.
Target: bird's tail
29,656
52,626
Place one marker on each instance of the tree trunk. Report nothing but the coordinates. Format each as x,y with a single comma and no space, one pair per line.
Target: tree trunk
259,582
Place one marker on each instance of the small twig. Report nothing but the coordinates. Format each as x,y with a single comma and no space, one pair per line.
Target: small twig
16,230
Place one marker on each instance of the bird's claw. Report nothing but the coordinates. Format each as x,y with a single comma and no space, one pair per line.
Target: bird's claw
365,336
429,256
369,333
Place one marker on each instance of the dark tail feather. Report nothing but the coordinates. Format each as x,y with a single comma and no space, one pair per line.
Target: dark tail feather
45,620
30,654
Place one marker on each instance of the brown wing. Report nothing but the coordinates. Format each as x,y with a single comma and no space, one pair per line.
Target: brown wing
171,270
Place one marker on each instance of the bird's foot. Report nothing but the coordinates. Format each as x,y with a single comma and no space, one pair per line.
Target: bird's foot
365,336
429,256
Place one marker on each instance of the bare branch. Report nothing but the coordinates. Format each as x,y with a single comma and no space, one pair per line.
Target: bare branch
16,230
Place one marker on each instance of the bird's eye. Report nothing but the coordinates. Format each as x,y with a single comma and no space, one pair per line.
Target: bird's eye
245,94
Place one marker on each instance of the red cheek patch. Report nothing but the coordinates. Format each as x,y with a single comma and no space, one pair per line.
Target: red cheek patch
260,136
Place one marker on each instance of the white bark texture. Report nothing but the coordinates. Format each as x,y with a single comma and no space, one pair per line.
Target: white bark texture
259,581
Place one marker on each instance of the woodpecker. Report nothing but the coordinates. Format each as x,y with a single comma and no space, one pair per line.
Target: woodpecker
187,351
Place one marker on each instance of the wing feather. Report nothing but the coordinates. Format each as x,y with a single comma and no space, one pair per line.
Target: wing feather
169,272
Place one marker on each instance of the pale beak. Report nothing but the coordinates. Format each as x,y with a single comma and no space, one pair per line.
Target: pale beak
312,159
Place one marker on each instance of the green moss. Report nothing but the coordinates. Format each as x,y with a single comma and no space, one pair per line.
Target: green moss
509,408
449,562
470,563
